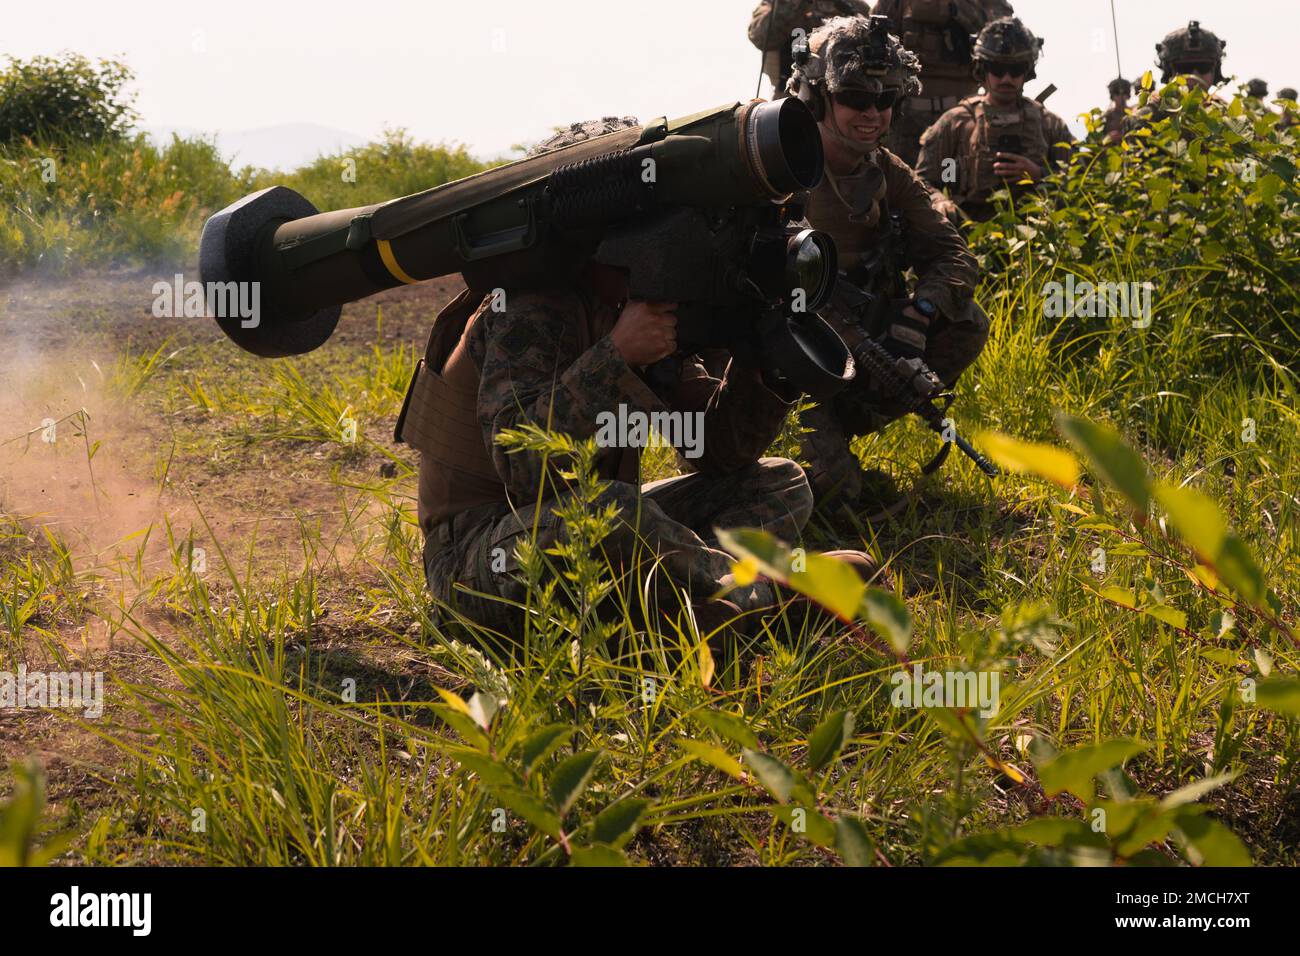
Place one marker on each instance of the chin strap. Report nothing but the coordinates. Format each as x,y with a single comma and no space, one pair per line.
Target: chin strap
833,131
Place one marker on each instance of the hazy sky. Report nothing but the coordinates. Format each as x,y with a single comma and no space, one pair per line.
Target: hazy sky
490,74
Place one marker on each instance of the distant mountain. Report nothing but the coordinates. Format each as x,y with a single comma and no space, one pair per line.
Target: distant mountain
286,146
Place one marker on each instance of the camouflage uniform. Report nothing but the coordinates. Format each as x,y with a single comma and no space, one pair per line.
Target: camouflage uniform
939,33
774,36
534,369
879,244
969,133
883,220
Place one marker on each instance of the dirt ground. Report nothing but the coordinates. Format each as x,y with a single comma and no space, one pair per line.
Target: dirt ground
113,479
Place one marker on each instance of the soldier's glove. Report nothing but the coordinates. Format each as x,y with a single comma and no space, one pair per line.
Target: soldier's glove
907,335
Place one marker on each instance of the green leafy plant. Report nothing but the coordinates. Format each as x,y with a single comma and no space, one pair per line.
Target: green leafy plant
21,842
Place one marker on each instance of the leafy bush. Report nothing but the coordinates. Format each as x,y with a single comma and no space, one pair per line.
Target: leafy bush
112,202
395,166
1201,203
66,99
131,202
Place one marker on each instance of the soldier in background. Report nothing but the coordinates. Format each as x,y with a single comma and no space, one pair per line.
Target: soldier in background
940,33
1118,111
1284,96
1257,89
1001,139
774,22
1191,52
883,221
1194,53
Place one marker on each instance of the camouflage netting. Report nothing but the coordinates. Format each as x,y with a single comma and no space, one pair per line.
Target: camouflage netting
577,132
854,53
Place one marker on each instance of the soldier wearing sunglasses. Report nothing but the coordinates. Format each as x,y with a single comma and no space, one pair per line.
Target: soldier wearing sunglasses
1192,53
1000,139
940,33
855,77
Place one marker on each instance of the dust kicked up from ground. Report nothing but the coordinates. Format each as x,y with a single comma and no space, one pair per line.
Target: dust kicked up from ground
70,459
98,467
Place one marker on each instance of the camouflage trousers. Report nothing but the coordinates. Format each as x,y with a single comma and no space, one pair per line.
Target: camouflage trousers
670,521
833,469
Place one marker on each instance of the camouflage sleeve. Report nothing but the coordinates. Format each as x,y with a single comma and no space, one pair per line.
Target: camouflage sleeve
532,372
771,33
742,416
936,146
945,269
768,32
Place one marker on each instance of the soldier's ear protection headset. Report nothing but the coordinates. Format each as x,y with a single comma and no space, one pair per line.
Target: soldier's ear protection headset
810,79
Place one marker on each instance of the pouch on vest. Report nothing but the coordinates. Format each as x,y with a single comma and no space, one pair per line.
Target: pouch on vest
439,417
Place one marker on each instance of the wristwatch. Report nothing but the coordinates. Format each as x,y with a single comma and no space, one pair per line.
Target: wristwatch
925,307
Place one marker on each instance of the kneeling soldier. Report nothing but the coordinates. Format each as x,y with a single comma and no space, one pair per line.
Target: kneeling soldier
884,222
562,359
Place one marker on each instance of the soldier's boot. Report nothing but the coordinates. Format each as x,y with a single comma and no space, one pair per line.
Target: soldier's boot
867,568
861,562
808,615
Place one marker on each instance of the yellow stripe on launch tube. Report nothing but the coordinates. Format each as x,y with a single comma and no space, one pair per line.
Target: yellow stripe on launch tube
390,261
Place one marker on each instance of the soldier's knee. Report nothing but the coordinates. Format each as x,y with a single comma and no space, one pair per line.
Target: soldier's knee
974,317
959,344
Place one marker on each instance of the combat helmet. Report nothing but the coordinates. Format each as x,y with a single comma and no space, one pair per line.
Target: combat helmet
853,53
1191,44
1257,88
1006,40
1287,93
1120,87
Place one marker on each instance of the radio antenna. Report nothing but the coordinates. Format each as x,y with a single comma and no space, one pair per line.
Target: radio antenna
762,55
1114,24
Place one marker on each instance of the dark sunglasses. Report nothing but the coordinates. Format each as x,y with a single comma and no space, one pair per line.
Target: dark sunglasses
862,101
1196,66
1007,69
